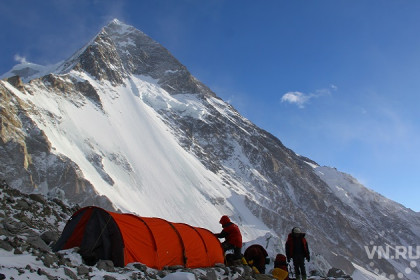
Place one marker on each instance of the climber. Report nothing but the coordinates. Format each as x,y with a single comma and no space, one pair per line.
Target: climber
298,250
232,236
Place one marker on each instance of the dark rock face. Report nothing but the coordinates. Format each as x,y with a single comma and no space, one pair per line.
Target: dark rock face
16,82
70,88
101,60
141,55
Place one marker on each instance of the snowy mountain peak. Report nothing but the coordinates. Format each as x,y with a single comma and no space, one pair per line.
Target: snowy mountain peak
123,123
116,22
120,50
119,27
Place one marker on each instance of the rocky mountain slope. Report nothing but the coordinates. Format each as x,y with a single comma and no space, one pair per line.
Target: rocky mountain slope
122,124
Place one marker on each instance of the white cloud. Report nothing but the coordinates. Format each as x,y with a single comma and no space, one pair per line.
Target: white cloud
20,59
300,98
296,97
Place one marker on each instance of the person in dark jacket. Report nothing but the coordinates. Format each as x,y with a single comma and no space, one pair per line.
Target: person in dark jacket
256,255
232,236
297,249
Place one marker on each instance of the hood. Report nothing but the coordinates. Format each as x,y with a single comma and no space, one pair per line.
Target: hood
224,220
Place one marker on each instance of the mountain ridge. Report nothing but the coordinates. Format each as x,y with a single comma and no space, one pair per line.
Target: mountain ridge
229,164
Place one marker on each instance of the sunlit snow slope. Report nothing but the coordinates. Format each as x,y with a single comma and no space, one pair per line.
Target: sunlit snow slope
144,170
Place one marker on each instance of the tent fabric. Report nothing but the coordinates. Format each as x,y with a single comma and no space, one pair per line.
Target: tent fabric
127,238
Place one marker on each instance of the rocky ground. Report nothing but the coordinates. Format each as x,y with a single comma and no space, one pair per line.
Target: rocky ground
31,223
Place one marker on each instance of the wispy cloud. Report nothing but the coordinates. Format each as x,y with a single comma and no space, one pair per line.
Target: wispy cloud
20,59
301,99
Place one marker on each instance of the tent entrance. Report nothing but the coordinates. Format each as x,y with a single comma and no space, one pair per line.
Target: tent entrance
102,240
96,234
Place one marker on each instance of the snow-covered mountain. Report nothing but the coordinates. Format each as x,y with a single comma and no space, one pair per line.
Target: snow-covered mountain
123,124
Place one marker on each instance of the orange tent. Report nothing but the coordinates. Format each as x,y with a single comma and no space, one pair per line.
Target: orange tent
127,238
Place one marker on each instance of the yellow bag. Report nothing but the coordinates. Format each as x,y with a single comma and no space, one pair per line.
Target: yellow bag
279,273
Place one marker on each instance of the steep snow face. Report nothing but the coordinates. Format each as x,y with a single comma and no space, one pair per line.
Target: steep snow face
128,153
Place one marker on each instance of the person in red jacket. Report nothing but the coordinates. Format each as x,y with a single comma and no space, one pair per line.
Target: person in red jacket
256,256
232,236
297,249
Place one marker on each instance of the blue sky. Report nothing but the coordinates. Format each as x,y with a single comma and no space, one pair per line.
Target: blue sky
336,81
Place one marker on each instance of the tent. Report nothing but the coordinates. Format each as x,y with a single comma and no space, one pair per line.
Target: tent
127,238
